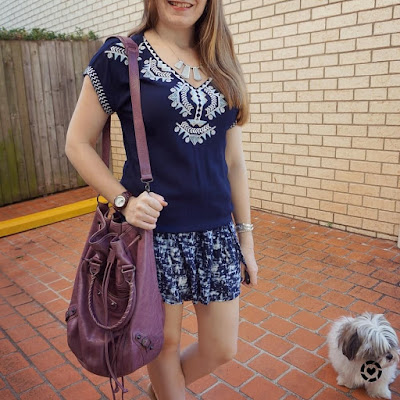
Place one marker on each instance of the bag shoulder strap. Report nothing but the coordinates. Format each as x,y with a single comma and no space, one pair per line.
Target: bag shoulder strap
132,52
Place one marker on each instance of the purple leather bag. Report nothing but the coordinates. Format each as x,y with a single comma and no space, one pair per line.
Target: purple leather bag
116,317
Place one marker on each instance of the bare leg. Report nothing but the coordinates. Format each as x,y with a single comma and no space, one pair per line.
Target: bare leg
218,324
165,371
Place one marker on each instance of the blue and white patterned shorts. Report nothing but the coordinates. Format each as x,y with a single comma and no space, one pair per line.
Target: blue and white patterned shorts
198,266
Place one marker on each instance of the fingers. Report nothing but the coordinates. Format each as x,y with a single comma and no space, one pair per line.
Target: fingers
249,275
159,198
143,211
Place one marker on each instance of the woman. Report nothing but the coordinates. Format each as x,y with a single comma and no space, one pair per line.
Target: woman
193,102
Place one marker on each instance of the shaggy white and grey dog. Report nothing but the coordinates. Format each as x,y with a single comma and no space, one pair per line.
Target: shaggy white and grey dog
364,351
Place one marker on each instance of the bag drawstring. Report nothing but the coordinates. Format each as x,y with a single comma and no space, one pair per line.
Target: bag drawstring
111,364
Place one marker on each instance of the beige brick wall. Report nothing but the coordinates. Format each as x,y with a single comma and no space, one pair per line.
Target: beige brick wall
323,141
324,83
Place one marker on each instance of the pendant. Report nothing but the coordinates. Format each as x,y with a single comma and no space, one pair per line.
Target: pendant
196,74
186,72
179,64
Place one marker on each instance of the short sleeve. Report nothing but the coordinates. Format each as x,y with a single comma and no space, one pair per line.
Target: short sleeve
233,118
108,72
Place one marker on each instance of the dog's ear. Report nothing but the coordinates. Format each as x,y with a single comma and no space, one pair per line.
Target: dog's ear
348,340
351,345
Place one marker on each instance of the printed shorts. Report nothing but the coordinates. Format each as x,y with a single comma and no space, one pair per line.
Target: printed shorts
198,266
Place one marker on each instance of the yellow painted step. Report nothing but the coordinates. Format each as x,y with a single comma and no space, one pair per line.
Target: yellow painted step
47,217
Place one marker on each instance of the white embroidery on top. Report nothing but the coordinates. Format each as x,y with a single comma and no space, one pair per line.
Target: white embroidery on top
98,87
117,52
154,71
201,105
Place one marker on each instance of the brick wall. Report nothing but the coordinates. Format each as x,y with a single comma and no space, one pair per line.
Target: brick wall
104,17
324,137
323,142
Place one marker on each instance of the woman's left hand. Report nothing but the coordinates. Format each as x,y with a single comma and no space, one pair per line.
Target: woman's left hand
251,266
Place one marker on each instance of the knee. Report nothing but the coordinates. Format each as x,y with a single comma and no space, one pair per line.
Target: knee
222,352
171,343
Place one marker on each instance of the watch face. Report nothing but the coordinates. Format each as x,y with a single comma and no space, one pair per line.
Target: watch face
119,201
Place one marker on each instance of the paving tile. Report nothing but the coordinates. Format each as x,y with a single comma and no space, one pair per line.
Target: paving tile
331,394
306,339
11,321
253,314
190,323
278,326
6,347
82,390
133,390
21,332
12,362
285,294
311,289
313,265
245,351
10,291
40,319
202,384
281,308
365,294
5,309
274,345
222,392
300,383
268,366
338,284
53,330
257,299
60,343
310,303
289,281
308,320
46,360
258,388
233,373
337,298
249,332
303,360
6,394
18,299
29,308
327,374
23,380
42,392
389,289
360,306
62,376
389,303
33,345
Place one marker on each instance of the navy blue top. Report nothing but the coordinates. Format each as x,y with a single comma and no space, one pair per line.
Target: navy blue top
186,135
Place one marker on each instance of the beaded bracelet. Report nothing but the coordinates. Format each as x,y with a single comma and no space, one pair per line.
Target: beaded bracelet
244,227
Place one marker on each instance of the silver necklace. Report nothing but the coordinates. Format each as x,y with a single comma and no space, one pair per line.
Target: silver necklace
183,68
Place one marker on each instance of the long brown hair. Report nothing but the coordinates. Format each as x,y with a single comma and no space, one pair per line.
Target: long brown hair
217,55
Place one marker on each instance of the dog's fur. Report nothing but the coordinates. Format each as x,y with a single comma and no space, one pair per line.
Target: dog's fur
353,341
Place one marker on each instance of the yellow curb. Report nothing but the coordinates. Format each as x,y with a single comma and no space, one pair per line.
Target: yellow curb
41,218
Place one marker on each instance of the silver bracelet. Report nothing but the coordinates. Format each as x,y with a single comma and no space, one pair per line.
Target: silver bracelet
244,227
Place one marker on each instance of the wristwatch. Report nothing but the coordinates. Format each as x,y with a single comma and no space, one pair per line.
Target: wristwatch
121,201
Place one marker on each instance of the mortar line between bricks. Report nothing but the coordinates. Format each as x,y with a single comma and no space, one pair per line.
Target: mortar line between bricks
31,364
27,358
291,367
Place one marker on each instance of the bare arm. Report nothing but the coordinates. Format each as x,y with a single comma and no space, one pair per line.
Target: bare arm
237,175
83,132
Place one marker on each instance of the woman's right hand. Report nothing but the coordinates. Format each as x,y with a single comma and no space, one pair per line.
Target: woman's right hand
144,210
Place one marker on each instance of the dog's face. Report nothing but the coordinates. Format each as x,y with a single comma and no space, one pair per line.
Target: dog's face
369,337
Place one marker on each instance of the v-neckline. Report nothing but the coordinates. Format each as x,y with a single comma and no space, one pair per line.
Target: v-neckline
155,54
